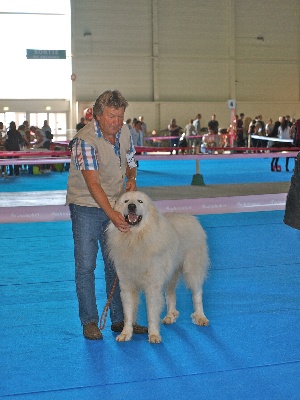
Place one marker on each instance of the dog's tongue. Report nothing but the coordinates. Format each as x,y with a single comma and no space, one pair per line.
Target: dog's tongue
132,218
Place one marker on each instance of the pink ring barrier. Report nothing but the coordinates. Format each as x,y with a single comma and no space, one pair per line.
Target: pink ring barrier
32,153
53,157
199,206
34,157
34,161
242,150
153,138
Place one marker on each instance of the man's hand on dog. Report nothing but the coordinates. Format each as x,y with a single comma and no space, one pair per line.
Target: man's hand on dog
119,221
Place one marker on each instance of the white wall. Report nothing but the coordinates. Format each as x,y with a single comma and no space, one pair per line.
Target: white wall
174,58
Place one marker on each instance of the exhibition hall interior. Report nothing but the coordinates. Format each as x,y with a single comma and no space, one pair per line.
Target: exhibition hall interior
212,122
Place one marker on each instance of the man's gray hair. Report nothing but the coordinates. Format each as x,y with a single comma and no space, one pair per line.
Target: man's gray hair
109,98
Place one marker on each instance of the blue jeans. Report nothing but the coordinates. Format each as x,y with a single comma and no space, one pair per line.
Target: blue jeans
88,226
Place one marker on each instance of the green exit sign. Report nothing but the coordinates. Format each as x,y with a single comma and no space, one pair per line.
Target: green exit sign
46,54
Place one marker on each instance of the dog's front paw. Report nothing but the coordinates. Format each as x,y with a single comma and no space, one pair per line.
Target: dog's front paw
154,338
171,317
199,319
124,337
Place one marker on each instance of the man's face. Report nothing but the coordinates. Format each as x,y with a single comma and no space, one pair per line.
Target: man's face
111,121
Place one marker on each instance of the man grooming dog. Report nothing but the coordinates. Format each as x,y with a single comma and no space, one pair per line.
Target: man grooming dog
150,258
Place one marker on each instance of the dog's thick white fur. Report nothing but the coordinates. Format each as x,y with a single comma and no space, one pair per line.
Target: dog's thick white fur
151,256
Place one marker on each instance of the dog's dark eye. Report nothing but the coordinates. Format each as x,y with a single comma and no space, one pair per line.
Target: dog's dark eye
140,201
126,201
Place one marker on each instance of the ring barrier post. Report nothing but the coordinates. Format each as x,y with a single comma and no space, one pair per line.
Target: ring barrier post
197,177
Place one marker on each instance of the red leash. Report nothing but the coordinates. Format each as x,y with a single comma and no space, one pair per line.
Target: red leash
105,311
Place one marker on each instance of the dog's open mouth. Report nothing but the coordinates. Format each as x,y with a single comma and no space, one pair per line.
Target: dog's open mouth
133,219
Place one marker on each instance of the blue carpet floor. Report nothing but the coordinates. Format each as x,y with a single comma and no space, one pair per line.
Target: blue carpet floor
167,173
251,350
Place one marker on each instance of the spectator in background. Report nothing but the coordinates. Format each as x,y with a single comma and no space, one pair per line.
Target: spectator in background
143,125
48,134
25,140
13,143
2,134
190,131
258,132
251,131
284,132
174,130
27,128
155,142
290,123
213,125
269,127
197,124
262,128
137,136
40,138
240,130
46,127
281,130
80,124
128,123
296,133
261,131
2,142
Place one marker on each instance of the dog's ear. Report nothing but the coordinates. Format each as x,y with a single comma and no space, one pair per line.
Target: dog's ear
119,205
153,212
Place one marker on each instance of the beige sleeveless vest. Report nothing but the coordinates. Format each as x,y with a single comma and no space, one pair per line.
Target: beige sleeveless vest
112,169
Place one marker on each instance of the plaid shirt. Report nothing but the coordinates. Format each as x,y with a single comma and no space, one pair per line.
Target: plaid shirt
86,157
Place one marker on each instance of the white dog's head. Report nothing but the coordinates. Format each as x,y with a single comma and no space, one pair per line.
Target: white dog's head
136,207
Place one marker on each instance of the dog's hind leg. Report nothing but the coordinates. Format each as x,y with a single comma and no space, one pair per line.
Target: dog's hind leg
155,302
172,313
198,316
130,302
194,272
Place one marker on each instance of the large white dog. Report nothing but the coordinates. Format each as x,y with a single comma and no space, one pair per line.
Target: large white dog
150,258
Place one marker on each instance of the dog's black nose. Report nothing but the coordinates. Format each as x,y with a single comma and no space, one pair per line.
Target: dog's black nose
131,207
